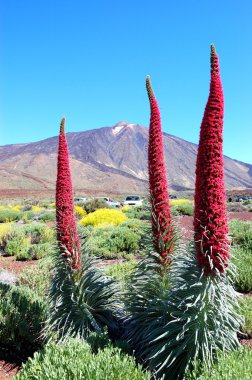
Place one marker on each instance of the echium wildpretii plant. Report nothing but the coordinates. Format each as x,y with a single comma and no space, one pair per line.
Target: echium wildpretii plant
148,285
162,227
67,235
198,315
210,219
81,298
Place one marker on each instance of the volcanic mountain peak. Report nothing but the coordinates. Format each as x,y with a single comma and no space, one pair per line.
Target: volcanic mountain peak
109,159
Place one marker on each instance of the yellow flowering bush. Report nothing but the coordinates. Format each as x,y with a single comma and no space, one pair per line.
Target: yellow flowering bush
179,202
14,208
79,212
37,208
103,217
126,208
5,228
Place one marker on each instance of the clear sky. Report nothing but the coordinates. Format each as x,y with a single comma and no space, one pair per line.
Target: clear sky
88,60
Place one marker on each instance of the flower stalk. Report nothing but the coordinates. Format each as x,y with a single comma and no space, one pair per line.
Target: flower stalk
162,226
67,235
210,219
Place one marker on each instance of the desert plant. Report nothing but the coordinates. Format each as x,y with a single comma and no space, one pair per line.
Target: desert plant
35,279
22,314
242,259
39,233
241,233
9,216
196,314
246,310
5,230
67,235
163,233
93,204
112,242
39,251
104,217
234,365
79,212
74,359
47,216
210,219
80,304
18,246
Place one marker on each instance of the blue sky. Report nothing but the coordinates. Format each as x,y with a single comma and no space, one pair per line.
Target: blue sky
88,60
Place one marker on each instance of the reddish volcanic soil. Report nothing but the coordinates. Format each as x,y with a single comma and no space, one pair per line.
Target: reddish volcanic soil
8,367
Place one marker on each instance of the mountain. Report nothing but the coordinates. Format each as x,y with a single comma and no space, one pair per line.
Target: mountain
107,160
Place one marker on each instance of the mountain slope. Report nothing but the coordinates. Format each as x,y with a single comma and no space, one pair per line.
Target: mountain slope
109,159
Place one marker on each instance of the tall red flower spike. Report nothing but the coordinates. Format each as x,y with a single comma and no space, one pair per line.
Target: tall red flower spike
210,219
67,235
162,227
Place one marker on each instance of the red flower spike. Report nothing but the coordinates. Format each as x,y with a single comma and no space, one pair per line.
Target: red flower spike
210,219
160,205
67,235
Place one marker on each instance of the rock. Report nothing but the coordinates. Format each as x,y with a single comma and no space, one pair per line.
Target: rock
7,277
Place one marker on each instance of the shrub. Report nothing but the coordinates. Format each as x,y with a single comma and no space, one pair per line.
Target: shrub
5,229
36,208
74,359
22,313
27,216
243,260
181,201
104,217
35,279
137,212
241,233
9,216
112,242
47,217
235,365
26,208
39,251
79,212
18,246
236,207
246,311
183,209
39,233
120,271
135,225
93,205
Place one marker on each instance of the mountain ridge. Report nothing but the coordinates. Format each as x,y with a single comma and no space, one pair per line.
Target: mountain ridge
108,159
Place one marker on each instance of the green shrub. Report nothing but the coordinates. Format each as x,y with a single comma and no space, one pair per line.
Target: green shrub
39,251
26,208
47,217
120,271
75,360
236,365
18,245
22,313
9,216
183,209
112,242
37,278
242,258
241,233
93,205
39,233
135,225
246,311
27,216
